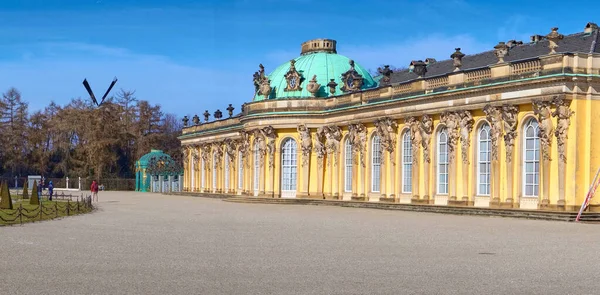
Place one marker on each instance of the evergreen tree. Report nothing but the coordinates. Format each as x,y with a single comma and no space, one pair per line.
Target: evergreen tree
34,195
25,192
6,202
13,121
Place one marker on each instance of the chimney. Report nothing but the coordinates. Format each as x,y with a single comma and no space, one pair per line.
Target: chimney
513,43
590,27
430,60
536,38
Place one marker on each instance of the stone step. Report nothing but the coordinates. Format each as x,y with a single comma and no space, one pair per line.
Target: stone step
516,213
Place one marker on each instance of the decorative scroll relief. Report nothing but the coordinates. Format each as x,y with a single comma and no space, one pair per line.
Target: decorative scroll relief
509,117
494,116
546,128
415,138
425,130
563,120
387,129
358,139
305,143
451,120
466,127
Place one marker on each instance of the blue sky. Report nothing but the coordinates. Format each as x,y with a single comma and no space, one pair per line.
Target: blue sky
189,56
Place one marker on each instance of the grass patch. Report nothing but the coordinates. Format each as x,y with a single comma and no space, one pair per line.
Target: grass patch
24,212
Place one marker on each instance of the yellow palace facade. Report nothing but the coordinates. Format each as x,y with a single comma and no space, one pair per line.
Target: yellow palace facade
512,127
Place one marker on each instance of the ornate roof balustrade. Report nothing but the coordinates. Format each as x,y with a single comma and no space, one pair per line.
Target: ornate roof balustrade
532,68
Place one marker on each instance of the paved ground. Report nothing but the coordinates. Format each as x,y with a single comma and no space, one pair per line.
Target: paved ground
153,244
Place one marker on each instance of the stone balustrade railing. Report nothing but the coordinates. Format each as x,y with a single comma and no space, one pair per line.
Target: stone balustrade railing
539,67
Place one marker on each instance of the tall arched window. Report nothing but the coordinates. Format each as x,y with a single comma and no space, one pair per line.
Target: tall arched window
406,163
240,171
256,168
202,167
531,159
376,164
348,166
288,168
442,159
484,149
226,172
214,174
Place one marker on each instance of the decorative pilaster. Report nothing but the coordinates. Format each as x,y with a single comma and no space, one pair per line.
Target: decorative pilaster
563,120
426,130
415,140
358,139
269,136
509,117
319,149
466,127
333,136
387,129
451,120
494,116
546,130
306,147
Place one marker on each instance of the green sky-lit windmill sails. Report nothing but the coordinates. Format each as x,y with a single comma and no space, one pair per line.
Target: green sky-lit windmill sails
92,96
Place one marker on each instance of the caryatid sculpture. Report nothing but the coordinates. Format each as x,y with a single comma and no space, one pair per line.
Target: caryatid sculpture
466,126
546,128
426,129
494,116
563,120
305,143
509,118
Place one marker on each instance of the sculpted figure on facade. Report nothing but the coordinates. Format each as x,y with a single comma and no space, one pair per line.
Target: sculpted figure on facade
244,145
466,126
305,143
217,149
451,120
260,145
269,135
205,154
185,151
494,116
415,138
509,117
563,120
319,147
230,146
546,128
358,139
386,128
426,129
333,136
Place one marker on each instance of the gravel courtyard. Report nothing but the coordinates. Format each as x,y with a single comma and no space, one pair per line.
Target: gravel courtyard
139,243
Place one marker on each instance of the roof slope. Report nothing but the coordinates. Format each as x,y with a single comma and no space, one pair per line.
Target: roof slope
579,42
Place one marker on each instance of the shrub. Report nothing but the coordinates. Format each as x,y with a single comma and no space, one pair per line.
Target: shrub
34,195
6,202
25,192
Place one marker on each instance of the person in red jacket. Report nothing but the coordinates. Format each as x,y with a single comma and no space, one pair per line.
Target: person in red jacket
94,189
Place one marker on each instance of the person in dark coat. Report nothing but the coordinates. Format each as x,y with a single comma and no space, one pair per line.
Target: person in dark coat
50,189
40,187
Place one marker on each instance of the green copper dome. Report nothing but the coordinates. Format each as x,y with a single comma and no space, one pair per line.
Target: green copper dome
319,57
145,159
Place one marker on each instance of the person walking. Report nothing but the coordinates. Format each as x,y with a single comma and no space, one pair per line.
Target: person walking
94,189
40,187
50,189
